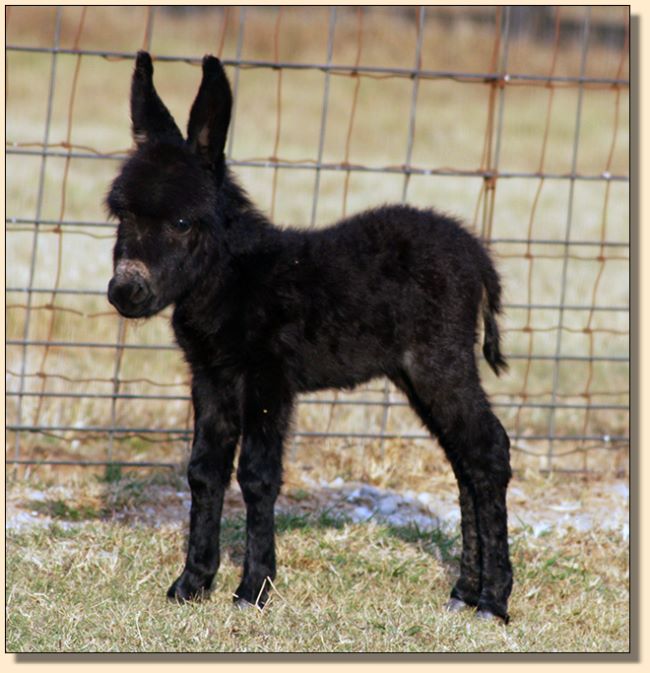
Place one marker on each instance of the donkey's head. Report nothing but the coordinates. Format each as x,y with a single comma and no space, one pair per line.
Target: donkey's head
166,193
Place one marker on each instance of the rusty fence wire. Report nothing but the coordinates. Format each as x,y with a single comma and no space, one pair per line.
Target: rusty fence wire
334,109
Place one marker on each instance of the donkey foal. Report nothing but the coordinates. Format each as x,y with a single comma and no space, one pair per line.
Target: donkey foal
263,314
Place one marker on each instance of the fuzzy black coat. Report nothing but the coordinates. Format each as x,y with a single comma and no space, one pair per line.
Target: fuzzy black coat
263,314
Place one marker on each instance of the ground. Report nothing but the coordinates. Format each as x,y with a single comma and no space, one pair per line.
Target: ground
361,569
566,505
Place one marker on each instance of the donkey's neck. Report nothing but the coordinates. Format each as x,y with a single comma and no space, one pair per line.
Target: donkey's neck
242,232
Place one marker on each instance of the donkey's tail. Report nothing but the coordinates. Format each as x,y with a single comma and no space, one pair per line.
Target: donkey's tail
492,308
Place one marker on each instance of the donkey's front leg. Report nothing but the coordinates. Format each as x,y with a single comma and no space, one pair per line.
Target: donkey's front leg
259,473
216,433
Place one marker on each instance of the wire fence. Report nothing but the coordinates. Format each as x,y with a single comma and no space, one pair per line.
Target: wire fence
529,143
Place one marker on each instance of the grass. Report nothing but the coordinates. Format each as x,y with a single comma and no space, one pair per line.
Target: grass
92,576
86,584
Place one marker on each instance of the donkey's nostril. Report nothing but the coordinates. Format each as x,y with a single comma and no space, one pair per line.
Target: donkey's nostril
114,292
139,291
128,296
118,294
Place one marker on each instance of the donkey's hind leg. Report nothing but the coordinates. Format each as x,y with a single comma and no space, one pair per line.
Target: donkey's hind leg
450,401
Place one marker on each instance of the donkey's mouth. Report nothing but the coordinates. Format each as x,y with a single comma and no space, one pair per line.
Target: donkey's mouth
128,312
132,299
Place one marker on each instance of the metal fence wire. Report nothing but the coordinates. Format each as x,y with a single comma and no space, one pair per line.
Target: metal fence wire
514,118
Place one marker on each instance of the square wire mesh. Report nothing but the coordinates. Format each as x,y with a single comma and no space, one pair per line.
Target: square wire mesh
515,118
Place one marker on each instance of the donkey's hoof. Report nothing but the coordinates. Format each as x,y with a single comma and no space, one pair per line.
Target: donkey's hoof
242,604
180,592
487,615
455,605
175,595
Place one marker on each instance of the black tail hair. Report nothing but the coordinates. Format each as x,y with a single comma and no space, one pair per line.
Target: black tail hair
491,308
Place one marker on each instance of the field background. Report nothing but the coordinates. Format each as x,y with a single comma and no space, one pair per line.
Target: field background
123,397
280,114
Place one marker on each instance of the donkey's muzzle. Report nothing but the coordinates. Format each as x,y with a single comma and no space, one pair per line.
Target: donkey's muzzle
131,296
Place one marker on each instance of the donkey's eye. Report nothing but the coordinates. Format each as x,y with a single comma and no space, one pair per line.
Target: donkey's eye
182,225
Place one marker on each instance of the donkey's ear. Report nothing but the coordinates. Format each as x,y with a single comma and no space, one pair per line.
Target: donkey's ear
150,118
210,115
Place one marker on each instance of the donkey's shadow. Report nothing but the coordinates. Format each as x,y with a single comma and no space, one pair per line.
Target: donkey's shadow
441,544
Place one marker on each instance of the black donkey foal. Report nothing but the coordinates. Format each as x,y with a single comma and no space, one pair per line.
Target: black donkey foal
263,314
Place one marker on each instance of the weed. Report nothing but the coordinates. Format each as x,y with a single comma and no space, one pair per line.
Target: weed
329,518
113,473
298,494
59,509
434,541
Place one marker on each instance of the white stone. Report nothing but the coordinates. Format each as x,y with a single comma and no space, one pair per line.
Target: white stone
370,491
425,498
388,504
361,513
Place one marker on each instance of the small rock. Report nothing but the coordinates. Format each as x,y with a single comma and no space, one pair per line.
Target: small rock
370,492
354,495
306,479
361,514
398,520
451,518
424,522
388,504
540,528
424,498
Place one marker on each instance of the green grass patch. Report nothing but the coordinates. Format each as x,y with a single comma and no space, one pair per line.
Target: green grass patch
59,509
434,541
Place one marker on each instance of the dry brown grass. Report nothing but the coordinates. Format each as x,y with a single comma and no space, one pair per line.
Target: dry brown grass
450,127
94,581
